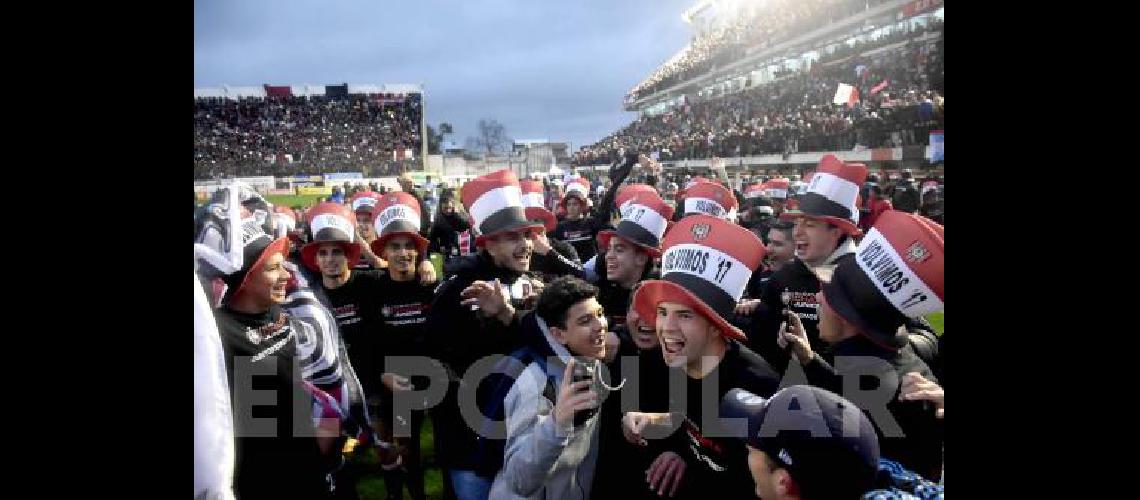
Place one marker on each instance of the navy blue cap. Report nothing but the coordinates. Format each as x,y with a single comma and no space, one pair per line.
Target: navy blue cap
820,438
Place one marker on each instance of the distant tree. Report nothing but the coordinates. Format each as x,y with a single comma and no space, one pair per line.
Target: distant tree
491,138
434,141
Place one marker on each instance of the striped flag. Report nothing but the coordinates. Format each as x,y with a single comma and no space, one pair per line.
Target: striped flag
846,94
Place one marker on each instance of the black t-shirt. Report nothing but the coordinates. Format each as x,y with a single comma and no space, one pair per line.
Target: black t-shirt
580,234
403,308
351,303
283,462
721,463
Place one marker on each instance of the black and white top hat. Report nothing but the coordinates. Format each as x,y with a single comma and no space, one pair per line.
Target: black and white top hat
397,214
644,219
832,195
330,222
495,204
897,273
707,262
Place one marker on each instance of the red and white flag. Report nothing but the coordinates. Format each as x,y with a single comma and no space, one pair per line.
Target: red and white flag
846,94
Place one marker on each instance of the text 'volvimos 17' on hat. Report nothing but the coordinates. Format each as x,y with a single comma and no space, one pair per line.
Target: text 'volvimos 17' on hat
330,222
897,273
534,204
494,201
710,199
832,195
398,214
706,264
644,219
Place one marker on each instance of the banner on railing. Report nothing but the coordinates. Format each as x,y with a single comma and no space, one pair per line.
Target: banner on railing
937,141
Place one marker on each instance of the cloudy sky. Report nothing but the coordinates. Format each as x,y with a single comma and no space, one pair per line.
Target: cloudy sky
546,69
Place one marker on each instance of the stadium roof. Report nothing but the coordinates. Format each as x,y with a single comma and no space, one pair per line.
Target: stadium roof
308,89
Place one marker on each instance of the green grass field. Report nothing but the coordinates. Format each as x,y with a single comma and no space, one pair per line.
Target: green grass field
291,200
936,321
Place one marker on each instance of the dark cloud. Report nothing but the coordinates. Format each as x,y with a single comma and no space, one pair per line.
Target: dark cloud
545,69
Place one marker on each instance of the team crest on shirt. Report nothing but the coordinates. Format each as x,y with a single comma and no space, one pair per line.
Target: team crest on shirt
701,231
917,253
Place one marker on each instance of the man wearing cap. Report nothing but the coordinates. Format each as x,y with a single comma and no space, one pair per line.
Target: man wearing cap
260,345
805,443
896,274
825,221
401,305
777,190
705,267
473,315
362,204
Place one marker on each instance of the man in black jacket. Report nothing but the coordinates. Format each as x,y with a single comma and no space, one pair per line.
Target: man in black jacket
825,223
474,315
705,266
629,252
896,273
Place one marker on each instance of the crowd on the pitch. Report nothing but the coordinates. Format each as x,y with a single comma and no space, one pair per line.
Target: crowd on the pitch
770,24
797,113
556,298
303,134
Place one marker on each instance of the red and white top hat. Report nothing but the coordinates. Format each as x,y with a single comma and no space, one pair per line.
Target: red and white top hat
898,272
364,202
534,204
579,187
706,264
398,214
777,189
628,191
330,222
755,190
495,203
644,219
710,198
832,194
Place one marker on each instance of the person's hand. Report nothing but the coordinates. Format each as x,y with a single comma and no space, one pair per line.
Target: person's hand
427,272
747,306
666,473
613,343
915,387
648,164
366,233
541,243
632,425
395,382
489,296
572,397
793,334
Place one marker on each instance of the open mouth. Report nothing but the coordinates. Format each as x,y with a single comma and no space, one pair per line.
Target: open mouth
278,289
801,247
598,339
646,334
672,345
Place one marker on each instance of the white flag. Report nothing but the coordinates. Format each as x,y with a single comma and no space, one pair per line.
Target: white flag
844,93
213,417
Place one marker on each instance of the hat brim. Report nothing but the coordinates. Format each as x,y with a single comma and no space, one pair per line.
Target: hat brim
279,245
378,244
844,225
514,227
653,292
604,242
352,253
536,214
837,300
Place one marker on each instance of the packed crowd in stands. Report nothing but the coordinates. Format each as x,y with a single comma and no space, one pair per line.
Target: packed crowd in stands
303,134
772,23
796,113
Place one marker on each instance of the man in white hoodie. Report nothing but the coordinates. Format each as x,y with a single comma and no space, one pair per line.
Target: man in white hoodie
552,434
